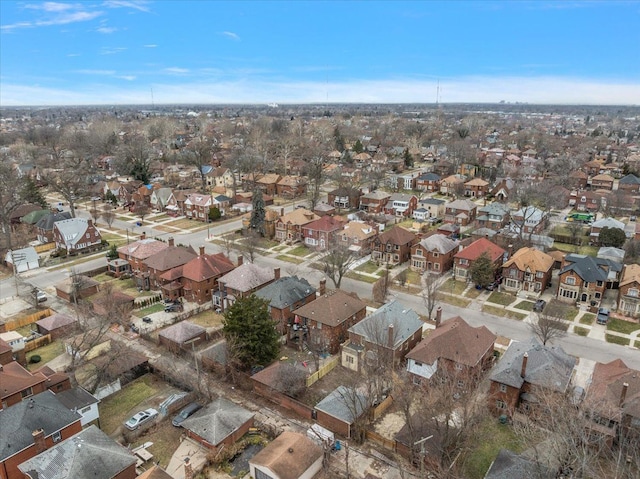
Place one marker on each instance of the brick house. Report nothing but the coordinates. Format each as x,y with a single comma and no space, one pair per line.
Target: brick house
453,350
476,188
494,216
197,207
89,453
340,409
291,187
597,226
176,202
289,455
18,383
434,253
345,197
602,182
286,295
6,353
374,202
387,334
76,235
135,253
319,234
629,291
357,237
268,183
528,269
242,282
523,366
393,246
401,204
428,182
577,179
585,278
76,288
503,190
452,185
586,201
196,280
462,212
528,220
629,183
324,323
44,226
289,226
592,167
36,424
464,259
57,325
169,258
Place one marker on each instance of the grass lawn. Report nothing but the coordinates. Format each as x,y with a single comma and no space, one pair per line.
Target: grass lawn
473,293
581,331
587,318
300,251
268,244
501,298
361,277
154,308
637,344
616,339
207,319
570,248
622,326
26,329
290,259
165,438
277,249
525,305
491,437
453,286
413,278
368,267
117,408
562,310
505,313
47,353
455,300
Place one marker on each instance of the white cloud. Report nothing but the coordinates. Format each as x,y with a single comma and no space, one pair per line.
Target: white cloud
135,5
126,77
73,54
233,36
150,45
61,17
176,70
96,72
106,30
52,6
112,50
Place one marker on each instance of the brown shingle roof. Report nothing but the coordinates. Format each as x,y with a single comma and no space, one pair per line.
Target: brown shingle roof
531,258
143,248
247,276
14,378
299,216
397,235
289,455
606,386
55,321
181,332
631,274
482,245
206,266
332,309
170,257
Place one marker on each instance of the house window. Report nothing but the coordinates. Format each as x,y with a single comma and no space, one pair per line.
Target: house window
503,388
597,295
25,393
539,274
88,236
633,292
418,252
85,410
418,364
435,255
463,261
436,266
571,281
262,475
500,404
397,247
56,436
349,359
459,366
460,383
565,293
319,325
586,284
599,283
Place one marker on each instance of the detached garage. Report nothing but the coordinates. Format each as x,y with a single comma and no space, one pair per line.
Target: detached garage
289,456
22,260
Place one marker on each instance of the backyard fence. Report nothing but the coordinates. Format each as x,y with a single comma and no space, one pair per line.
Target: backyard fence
381,440
380,409
12,324
323,371
41,248
37,342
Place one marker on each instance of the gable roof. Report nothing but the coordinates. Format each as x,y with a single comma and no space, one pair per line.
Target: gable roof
286,291
608,222
207,266
547,366
246,277
606,387
72,230
456,341
401,197
629,179
359,230
217,420
396,236
143,248
299,216
289,455
169,257
181,332
630,275
439,243
602,177
89,453
76,398
590,269
343,403
46,222
15,378
332,308
461,204
477,182
376,195
156,472
431,201
42,411
530,258
479,246
375,327
326,223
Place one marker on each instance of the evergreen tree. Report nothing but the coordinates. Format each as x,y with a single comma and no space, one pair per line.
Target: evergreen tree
31,194
408,159
247,325
358,148
258,213
482,270
338,140
214,213
612,237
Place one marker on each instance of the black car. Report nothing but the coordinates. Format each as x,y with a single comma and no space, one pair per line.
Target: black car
603,316
185,413
539,306
172,308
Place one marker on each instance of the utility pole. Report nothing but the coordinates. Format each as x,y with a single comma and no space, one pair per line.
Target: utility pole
423,452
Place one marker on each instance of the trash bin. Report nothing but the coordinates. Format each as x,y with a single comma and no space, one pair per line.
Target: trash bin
337,446
503,419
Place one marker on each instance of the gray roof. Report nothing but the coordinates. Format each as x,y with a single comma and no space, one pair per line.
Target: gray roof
343,403
498,209
375,327
76,398
88,454
23,256
547,366
400,197
217,420
46,222
377,195
462,204
439,243
57,320
246,277
72,230
509,465
181,332
608,222
590,269
431,201
286,291
42,411
611,253
630,179
429,177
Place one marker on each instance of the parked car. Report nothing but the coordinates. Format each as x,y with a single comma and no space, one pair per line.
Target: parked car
603,316
41,296
140,418
134,328
172,308
539,306
185,413
146,319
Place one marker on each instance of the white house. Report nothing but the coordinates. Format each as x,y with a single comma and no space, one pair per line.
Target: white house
13,339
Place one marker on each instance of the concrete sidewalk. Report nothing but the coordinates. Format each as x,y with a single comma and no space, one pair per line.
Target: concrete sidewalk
188,448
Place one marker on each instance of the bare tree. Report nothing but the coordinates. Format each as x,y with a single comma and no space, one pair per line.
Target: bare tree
291,379
380,289
250,245
108,215
9,200
135,157
336,262
315,176
358,404
142,210
199,153
430,294
549,324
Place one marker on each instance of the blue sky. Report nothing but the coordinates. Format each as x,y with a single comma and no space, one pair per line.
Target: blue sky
120,51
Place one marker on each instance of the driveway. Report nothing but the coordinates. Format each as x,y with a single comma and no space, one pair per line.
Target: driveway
188,448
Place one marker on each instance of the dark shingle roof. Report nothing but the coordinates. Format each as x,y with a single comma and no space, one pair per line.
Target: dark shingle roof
76,398
46,222
375,328
343,403
630,179
217,420
286,291
509,465
590,269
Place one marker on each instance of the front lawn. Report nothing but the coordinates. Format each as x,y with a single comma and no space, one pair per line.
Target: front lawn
46,353
368,267
501,298
473,293
455,300
581,331
289,259
587,318
300,251
361,277
154,308
491,436
525,305
505,313
616,339
622,326
452,286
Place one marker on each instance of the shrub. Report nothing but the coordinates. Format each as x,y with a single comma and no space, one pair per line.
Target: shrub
35,359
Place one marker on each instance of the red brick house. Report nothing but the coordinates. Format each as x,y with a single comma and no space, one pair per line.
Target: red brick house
393,246
44,226
6,353
182,335
289,226
523,366
585,200
163,261
464,259
135,253
592,167
323,323
197,207
268,183
452,185
340,410
528,269
319,234
585,278
345,197
429,182
476,188
602,182
577,179
629,291
629,183
286,295
76,235
462,212
291,187
401,204
434,253
374,202
19,384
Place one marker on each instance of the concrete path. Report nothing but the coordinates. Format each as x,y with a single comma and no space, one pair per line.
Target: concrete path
196,453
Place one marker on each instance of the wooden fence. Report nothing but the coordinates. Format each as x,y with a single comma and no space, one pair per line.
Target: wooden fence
323,371
381,440
380,409
36,343
41,248
12,324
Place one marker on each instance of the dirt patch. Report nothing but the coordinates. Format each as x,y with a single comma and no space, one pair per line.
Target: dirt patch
390,424
165,438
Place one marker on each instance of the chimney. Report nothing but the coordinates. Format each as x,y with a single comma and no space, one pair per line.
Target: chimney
510,250
38,440
438,316
201,250
188,469
323,287
170,241
391,337
143,235
623,393
89,222
525,358
240,260
281,211
276,273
